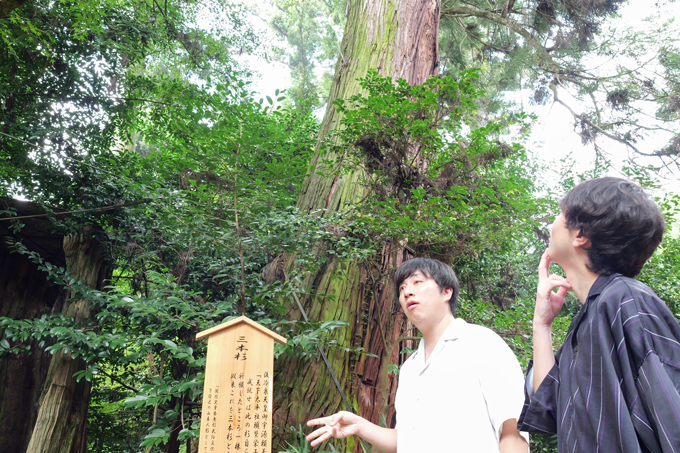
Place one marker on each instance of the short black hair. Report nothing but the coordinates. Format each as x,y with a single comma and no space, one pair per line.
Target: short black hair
440,272
623,224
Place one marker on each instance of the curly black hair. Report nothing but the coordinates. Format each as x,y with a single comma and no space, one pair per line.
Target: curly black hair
623,224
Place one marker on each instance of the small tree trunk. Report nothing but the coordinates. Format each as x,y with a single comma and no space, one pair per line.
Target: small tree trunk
399,39
173,442
63,403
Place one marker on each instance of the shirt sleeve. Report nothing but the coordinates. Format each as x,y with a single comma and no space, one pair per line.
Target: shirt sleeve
661,401
650,335
529,384
502,382
539,413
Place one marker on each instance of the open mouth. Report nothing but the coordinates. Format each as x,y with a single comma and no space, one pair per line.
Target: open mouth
410,305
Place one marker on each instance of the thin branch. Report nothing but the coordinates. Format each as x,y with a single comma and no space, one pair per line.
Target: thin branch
287,64
585,119
71,99
102,209
42,147
115,379
22,141
406,338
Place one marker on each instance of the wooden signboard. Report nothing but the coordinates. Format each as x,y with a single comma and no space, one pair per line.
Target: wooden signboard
239,381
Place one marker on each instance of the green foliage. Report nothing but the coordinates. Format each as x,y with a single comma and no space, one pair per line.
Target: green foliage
438,181
311,29
660,271
74,75
113,428
514,323
210,182
473,33
547,49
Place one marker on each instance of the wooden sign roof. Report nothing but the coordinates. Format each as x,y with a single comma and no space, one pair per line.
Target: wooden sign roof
239,320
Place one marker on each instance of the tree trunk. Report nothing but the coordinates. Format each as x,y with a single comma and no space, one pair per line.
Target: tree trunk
60,425
399,39
26,294
173,442
7,6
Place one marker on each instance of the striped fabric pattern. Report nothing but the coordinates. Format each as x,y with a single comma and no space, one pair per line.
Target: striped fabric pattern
615,386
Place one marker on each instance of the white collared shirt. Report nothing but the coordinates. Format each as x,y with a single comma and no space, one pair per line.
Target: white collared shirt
458,400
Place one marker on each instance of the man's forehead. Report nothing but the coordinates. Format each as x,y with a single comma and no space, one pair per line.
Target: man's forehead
417,273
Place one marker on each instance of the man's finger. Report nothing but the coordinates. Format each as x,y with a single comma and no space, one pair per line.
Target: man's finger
344,417
334,419
326,435
562,292
557,280
318,421
544,265
317,433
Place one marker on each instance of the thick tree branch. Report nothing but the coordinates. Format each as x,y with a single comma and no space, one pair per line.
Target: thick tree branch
545,62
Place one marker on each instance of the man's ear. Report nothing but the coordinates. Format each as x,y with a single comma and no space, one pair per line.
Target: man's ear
448,294
581,241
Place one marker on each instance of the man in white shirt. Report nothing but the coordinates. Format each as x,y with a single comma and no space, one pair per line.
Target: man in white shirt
461,391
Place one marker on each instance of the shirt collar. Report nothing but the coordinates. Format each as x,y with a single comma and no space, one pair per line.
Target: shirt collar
600,284
595,291
452,332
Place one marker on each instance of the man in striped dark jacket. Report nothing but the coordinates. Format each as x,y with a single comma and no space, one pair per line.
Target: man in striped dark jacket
613,385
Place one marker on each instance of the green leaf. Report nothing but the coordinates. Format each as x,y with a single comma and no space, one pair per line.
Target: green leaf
156,433
136,399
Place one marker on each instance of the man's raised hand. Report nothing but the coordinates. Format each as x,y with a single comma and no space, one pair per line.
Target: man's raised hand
548,302
339,426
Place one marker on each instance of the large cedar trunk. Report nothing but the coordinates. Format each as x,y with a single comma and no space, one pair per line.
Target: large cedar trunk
60,425
399,39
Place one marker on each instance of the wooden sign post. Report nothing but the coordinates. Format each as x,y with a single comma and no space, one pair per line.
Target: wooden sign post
239,381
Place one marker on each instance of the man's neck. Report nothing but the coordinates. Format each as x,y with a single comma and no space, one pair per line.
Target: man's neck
432,334
581,280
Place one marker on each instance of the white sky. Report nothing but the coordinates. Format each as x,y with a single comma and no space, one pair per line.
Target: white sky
553,137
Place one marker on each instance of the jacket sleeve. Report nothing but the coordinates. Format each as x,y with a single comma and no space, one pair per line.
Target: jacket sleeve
660,419
650,335
539,414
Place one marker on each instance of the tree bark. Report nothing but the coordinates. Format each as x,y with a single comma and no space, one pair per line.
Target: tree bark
399,39
64,402
26,294
173,442
7,6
